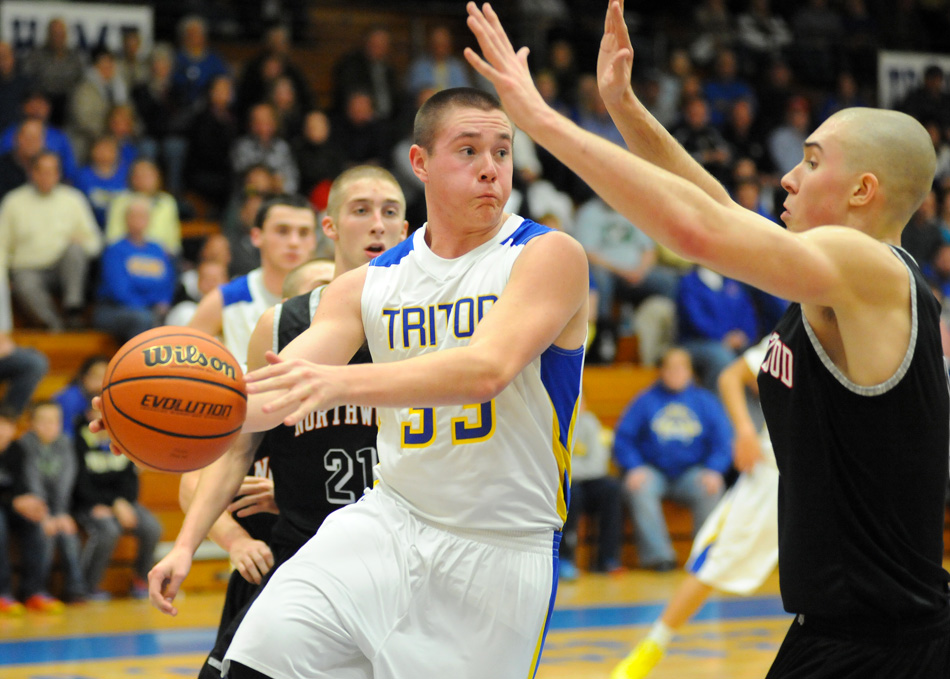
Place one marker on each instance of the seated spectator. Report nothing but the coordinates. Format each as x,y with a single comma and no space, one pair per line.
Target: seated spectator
36,106
714,28
164,226
746,138
922,235
623,261
283,97
212,135
50,468
786,141
725,87
21,371
818,33
357,131
717,321
15,163
592,112
54,258
270,64
702,140
209,274
369,68
75,399
762,35
438,67
164,117
196,65
262,145
930,100
55,68
91,101
137,280
14,86
845,95
244,253
594,492
132,63
106,506
319,158
121,125
672,442
103,178
21,514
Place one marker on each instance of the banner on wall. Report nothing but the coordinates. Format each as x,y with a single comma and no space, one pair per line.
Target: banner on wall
23,24
900,72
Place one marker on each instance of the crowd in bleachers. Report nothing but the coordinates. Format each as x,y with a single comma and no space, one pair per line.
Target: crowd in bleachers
104,154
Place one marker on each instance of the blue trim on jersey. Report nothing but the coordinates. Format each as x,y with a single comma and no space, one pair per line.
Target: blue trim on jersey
525,232
236,291
561,377
697,563
556,560
394,255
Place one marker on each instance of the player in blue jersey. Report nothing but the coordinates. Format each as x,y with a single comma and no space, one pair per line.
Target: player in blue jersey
853,388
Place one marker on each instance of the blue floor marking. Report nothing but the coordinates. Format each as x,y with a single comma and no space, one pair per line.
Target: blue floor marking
200,640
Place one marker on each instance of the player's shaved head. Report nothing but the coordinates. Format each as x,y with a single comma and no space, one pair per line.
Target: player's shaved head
338,189
895,148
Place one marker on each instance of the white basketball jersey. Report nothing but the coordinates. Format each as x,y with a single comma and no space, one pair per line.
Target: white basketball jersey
245,301
500,465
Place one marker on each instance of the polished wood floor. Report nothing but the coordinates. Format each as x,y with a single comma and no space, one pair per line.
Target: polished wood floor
597,619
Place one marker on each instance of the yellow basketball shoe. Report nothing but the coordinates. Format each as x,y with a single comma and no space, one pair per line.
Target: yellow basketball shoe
641,660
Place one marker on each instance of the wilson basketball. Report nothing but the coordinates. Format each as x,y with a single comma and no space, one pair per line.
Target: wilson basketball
173,399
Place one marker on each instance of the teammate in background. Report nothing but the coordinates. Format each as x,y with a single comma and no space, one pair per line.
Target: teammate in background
285,233
854,366
737,547
327,461
448,567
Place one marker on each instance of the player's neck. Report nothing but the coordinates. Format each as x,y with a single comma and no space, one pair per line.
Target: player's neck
450,240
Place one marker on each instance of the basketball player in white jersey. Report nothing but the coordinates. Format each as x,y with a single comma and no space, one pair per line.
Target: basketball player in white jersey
855,392
476,324
736,548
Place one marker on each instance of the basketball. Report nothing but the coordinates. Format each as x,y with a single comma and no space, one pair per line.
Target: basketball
173,399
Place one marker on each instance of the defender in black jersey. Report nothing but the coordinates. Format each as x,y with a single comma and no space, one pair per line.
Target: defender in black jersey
855,389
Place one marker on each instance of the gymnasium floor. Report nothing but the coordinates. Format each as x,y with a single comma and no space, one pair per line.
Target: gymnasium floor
596,621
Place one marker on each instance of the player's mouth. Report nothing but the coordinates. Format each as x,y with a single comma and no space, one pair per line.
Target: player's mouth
374,250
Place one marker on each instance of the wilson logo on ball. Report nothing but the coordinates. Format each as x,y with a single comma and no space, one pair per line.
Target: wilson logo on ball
167,354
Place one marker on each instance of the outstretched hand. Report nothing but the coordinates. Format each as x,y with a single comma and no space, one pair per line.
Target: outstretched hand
615,59
506,69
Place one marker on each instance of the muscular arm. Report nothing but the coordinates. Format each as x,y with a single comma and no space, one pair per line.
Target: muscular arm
545,299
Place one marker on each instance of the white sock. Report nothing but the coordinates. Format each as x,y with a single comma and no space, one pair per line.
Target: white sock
661,634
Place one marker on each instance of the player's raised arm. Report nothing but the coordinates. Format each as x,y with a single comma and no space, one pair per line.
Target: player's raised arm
543,304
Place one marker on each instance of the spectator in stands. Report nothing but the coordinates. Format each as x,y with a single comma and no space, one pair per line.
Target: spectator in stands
132,64
164,226
562,63
369,68
245,256
922,235
55,68
75,399
209,274
860,43
122,126
359,132
213,132
702,140
262,70
776,89
714,28
592,113
762,35
262,145
623,262
595,492
283,97
318,156
14,86
137,279
54,258
816,50
103,178
99,91
15,163
50,469
438,66
196,65
941,142
845,95
787,140
672,442
36,106
725,87
717,321
21,371
747,139
21,513
930,100
106,506
164,117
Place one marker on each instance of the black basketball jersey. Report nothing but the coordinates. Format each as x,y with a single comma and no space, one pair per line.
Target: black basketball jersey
326,460
863,472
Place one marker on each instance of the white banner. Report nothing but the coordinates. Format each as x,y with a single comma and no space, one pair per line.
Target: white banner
23,24
900,72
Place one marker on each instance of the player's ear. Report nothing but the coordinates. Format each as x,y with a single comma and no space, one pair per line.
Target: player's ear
329,228
419,159
257,235
864,190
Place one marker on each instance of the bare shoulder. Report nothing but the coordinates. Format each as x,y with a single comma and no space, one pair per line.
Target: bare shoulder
262,340
557,245
207,316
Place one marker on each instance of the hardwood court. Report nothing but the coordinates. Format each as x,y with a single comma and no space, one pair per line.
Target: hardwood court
596,621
